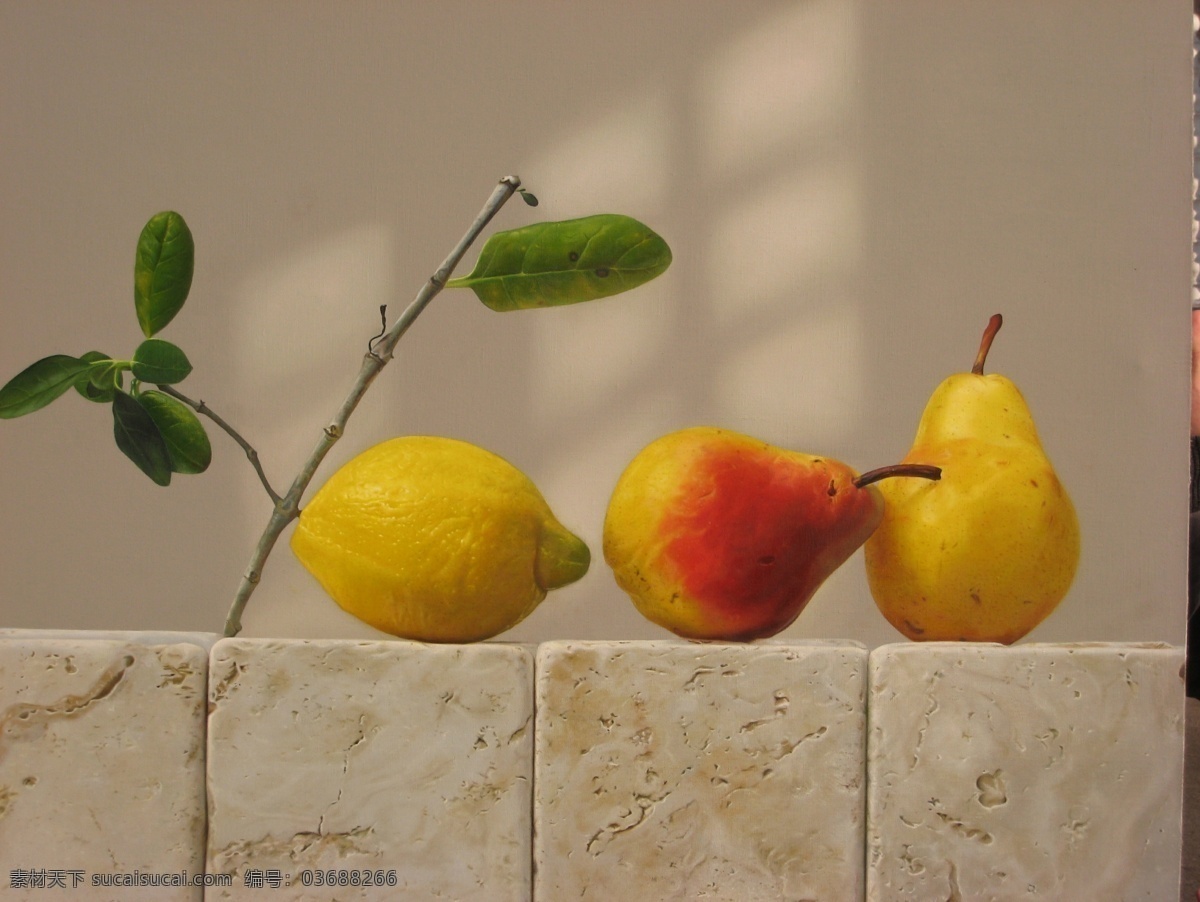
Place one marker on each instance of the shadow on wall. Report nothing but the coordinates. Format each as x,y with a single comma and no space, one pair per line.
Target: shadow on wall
753,156
848,198
748,163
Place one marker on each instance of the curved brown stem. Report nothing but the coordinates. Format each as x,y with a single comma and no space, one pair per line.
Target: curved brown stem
924,471
985,343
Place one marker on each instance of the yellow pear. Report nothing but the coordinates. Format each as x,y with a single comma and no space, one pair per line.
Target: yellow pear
988,551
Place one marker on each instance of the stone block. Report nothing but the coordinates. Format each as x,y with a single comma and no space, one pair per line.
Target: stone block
404,766
102,766
671,770
1024,772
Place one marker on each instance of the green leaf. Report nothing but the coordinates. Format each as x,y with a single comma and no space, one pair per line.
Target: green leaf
162,271
553,263
39,384
187,443
103,377
160,362
139,439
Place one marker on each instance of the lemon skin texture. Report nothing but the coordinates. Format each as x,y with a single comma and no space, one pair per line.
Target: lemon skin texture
435,539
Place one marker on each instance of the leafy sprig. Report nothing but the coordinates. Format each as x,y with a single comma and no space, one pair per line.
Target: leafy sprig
156,426
155,430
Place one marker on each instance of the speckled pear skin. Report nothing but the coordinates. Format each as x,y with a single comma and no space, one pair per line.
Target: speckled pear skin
989,551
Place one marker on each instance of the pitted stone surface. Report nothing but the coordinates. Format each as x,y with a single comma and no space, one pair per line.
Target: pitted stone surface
384,757
1026,772
101,766
679,771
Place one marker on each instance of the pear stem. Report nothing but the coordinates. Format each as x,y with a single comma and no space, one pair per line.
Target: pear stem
985,344
924,471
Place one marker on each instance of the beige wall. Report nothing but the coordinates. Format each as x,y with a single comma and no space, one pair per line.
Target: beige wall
850,190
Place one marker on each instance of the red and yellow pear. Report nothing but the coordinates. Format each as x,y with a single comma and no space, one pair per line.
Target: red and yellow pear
718,535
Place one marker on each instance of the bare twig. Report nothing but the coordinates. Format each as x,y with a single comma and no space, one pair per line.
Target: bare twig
287,508
201,408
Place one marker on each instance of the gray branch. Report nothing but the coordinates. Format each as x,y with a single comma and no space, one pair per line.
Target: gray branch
287,508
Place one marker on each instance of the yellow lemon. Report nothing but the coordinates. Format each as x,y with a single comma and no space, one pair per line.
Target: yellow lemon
435,539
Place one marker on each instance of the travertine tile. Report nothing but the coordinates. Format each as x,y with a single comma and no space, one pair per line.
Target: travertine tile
671,770
392,757
101,766
1030,772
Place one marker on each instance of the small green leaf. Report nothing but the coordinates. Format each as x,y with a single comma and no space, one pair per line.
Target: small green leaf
162,270
553,263
103,378
528,197
139,439
39,384
160,362
187,443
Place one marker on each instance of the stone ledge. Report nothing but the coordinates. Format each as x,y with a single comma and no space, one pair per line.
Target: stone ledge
739,771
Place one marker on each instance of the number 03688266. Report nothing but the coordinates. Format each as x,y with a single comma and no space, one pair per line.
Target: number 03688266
349,878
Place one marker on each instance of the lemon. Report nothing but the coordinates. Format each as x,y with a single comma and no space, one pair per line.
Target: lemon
435,539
